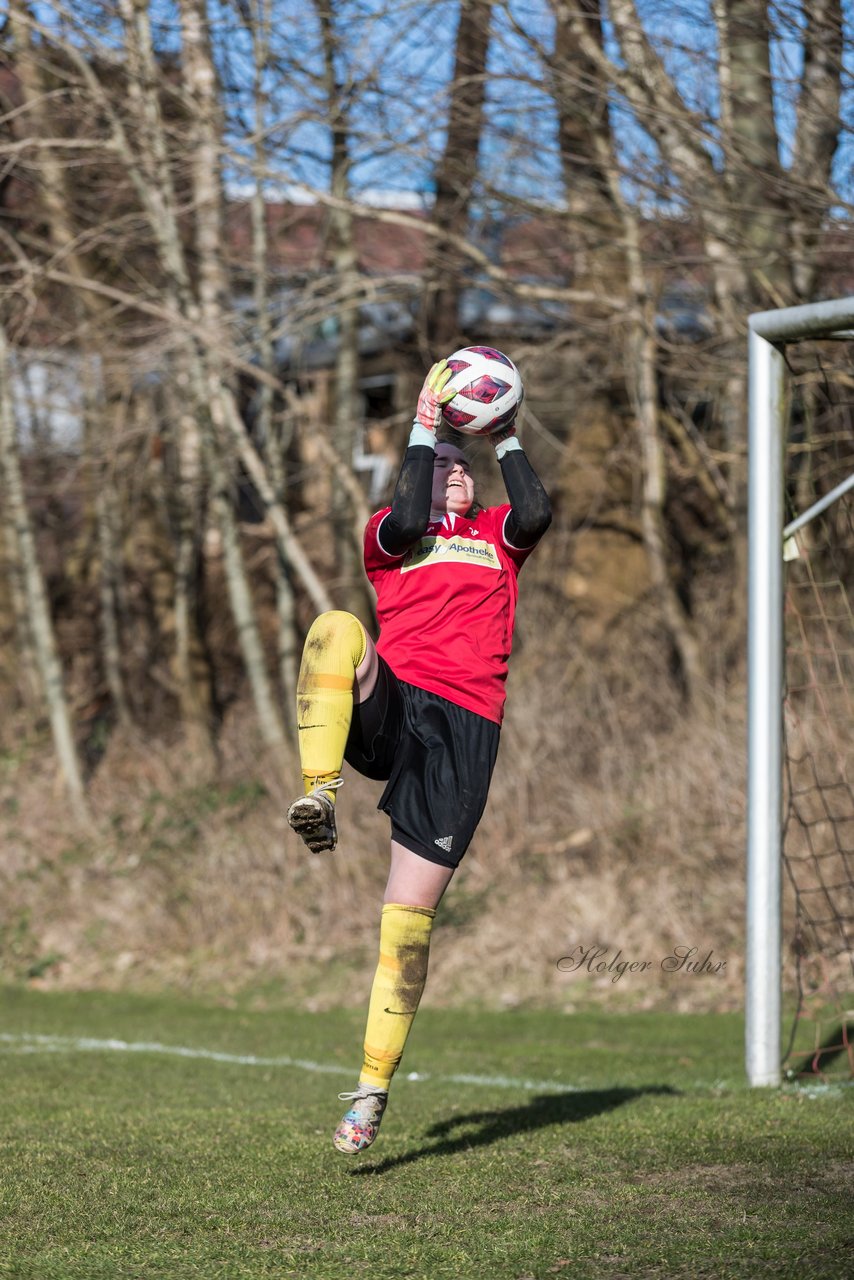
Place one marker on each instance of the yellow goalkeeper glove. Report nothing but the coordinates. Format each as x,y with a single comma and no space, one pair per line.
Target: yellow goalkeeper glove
433,396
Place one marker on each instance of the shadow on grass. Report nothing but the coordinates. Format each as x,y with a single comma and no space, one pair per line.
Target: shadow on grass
484,1127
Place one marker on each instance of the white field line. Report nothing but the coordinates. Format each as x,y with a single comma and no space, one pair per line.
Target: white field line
27,1043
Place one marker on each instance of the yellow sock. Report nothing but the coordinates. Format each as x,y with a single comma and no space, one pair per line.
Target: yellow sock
334,648
398,984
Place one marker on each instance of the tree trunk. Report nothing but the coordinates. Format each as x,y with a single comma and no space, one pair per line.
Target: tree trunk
46,656
643,388
200,79
817,137
110,629
642,382
108,546
29,682
351,590
581,94
191,669
240,598
267,436
456,176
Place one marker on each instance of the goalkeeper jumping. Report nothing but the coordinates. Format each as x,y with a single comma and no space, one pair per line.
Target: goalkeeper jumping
421,710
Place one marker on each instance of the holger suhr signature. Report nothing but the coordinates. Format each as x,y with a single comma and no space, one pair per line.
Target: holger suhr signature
682,959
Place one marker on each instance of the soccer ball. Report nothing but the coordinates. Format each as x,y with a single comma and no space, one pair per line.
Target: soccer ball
488,391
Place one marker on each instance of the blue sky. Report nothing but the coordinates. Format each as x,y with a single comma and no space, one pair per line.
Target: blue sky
395,63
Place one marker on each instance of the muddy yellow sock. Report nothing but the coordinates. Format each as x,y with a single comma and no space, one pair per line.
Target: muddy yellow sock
398,984
334,648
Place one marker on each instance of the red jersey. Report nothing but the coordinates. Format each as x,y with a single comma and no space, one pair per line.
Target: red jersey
446,607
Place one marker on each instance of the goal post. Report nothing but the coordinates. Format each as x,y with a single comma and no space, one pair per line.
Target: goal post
769,331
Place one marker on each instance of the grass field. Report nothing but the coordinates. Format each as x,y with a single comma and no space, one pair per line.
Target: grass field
590,1145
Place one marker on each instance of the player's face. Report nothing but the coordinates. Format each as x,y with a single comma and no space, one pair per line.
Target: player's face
453,487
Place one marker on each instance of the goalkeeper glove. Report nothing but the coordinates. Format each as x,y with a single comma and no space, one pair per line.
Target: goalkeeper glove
504,438
433,397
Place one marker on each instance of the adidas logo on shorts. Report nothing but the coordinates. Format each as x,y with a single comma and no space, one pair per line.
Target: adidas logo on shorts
444,842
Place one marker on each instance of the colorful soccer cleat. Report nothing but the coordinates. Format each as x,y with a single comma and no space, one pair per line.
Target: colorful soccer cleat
361,1123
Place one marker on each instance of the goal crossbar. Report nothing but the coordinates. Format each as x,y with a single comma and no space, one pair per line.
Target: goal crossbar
768,332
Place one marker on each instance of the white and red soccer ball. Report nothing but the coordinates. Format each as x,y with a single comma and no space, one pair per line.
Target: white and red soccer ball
488,390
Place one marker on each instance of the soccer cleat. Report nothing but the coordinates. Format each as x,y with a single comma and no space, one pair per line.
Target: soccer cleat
361,1123
312,817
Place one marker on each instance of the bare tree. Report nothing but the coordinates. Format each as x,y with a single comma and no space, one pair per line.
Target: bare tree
604,230
87,307
726,172
743,203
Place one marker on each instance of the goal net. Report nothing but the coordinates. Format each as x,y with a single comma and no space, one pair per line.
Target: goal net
800,873
818,722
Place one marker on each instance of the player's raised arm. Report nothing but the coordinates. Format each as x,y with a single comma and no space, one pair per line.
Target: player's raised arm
488,392
410,507
531,512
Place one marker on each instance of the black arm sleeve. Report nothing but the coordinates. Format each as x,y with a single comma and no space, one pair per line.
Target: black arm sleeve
410,506
531,512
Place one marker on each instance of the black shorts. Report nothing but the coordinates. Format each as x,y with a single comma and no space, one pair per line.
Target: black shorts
437,759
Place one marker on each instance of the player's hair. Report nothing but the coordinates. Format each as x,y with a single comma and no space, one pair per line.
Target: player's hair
446,435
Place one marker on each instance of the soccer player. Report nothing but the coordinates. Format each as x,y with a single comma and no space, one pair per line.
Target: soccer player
421,709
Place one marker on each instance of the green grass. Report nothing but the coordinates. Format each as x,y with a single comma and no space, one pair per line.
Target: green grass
660,1163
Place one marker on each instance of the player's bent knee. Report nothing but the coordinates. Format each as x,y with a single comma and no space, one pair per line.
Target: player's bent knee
336,639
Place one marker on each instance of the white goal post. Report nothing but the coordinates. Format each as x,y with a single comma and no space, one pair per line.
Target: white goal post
769,331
